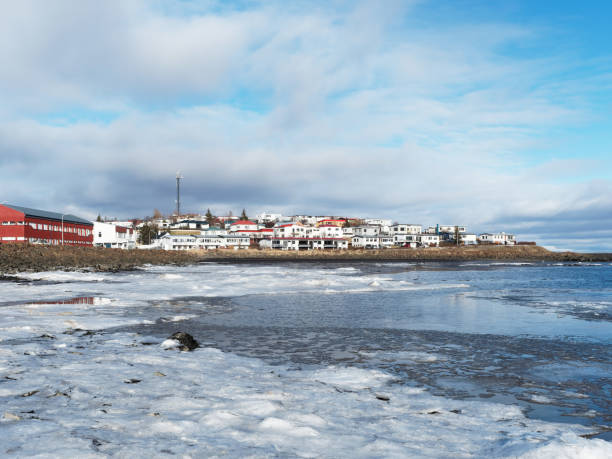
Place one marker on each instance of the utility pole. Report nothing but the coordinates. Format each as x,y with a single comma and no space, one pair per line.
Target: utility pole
178,194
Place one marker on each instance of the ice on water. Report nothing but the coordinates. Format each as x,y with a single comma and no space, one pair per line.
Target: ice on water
70,388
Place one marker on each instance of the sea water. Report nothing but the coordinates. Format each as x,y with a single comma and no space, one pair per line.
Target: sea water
484,359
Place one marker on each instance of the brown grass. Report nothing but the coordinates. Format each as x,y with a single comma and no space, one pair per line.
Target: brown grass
15,258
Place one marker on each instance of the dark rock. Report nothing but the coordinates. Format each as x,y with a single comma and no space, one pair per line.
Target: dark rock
188,343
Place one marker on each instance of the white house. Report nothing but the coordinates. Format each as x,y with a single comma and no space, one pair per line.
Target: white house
370,231
497,238
450,228
332,231
188,242
214,231
385,241
377,221
263,233
162,222
365,242
329,243
125,223
428,240
177,242
405,240
293,229
405,228
311,231
305,243
468,239
190,225
348,231
245,227
236,241
113,236
267,217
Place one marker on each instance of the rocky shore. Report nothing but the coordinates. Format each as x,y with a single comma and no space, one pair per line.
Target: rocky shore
16,258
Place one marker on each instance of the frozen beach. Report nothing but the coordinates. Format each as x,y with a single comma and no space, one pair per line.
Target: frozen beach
323,360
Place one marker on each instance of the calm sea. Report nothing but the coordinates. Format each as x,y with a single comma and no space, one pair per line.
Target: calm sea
536,335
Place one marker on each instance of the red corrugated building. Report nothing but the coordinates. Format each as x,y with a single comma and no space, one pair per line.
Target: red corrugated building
23,225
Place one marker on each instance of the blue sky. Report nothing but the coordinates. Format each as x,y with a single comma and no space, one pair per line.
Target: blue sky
491,114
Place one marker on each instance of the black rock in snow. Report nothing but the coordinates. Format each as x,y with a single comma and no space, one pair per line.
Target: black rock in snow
188,343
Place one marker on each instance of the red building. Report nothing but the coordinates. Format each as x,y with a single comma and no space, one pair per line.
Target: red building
21,225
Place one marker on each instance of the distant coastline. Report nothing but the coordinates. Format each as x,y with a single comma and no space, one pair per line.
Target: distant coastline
20,258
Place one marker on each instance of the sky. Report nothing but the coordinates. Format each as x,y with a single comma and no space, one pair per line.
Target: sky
492,114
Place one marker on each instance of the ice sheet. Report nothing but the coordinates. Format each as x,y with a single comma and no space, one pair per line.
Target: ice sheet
81,391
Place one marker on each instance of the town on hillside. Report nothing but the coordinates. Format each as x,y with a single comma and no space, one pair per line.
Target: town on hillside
209,232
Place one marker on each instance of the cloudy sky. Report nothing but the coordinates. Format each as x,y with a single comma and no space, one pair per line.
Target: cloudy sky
494,114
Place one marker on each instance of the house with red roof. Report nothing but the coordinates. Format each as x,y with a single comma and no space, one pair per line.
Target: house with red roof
244,228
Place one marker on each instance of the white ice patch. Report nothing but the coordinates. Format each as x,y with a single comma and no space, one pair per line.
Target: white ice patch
540,399
171,276
351,378
170,344
64,276
570,446
180,318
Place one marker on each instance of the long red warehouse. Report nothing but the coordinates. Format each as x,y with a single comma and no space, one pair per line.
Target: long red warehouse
24,225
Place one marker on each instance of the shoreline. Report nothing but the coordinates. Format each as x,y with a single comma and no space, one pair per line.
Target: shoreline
28,258
432,254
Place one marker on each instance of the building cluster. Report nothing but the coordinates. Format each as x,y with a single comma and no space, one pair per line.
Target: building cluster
267,231
307,232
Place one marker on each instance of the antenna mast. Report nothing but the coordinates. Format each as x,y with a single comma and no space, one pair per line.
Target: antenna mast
178,193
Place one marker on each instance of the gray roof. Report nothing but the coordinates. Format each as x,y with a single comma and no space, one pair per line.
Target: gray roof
49,215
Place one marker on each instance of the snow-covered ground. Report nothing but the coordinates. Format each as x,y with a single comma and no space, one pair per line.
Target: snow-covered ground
70,389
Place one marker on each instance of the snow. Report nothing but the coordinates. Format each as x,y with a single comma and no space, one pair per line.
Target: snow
170,344
94,394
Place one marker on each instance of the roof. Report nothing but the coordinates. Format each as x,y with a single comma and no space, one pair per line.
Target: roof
36,213
244,222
